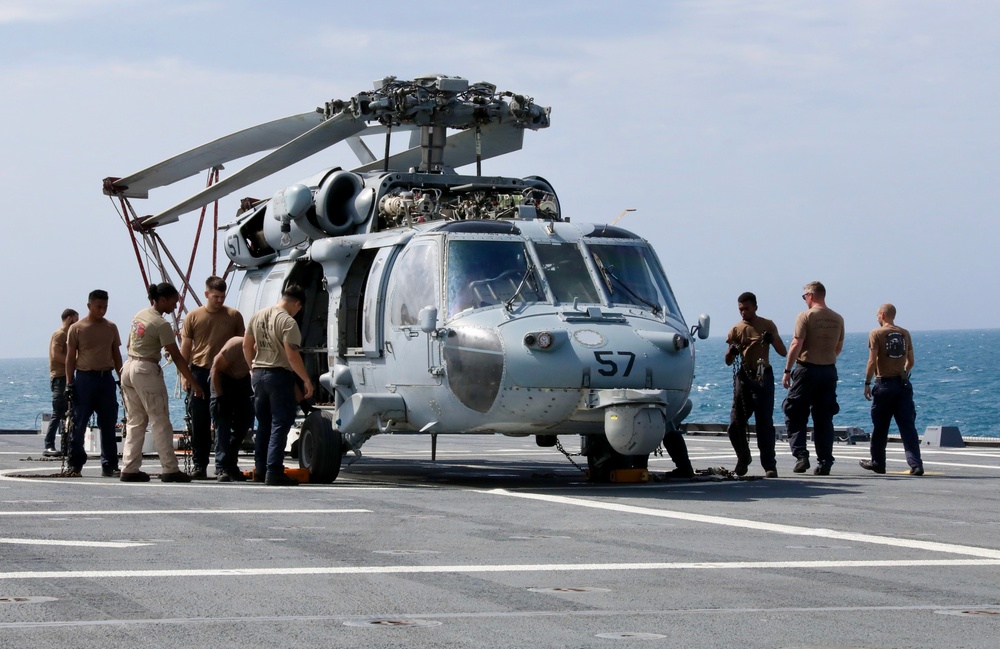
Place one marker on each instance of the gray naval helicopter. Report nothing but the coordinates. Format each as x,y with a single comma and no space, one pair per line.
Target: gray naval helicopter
441,303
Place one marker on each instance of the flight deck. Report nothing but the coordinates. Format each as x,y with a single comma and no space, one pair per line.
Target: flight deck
501,542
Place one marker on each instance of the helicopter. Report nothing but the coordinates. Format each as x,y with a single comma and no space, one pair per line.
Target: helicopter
438,302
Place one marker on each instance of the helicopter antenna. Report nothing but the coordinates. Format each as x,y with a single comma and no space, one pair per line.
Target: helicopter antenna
619,217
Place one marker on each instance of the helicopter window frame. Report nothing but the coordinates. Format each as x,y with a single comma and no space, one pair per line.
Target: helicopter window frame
404,299
246,297
649,270
269,290
555,282
372,338
483,293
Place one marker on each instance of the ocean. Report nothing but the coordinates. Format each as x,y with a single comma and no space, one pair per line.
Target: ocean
956,382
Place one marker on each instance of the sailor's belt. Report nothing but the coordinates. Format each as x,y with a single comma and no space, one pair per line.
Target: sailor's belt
808,364
889,378
148,359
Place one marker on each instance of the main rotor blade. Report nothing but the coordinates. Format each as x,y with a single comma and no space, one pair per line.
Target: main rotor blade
262,137
337,128
460,149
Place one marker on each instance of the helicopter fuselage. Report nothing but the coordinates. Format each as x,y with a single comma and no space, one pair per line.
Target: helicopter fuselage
520,325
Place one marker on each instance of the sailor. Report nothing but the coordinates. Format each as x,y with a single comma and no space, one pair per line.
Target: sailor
57,379
93,352
144,391
676,448
890,361
206,329
271,349
749,342
232,407
812,385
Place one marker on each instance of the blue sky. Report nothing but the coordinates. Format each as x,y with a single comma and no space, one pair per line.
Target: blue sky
763,145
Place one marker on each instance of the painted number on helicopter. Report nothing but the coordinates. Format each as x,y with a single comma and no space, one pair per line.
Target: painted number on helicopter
609,366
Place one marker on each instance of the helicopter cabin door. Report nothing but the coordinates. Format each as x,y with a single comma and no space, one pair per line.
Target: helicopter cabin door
372,339
412,356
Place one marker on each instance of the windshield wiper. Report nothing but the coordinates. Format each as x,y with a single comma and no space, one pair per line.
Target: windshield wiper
528,272
608,276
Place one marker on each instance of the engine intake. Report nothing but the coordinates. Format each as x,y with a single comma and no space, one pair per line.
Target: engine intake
342,203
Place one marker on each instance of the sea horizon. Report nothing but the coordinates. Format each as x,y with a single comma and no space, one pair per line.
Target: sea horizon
955,379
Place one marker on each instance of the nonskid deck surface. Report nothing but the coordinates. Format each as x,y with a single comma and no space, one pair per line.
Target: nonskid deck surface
499,539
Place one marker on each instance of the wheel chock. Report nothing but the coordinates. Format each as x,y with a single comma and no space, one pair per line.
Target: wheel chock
630,475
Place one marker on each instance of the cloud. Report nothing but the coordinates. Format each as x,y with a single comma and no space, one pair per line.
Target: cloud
766,143
50,11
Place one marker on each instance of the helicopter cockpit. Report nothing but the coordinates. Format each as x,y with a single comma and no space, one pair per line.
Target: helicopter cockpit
491,272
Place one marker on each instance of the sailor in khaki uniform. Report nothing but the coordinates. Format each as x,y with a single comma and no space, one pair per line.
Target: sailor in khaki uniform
812,385
750,341
145,393
890,361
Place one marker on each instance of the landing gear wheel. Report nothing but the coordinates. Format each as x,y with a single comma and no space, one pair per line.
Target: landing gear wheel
602,459
320,448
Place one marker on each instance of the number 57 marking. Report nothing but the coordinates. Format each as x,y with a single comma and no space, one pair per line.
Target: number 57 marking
609,366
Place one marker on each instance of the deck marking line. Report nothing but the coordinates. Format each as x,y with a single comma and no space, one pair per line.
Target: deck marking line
459,569
75,544
931,546
146,512
271,619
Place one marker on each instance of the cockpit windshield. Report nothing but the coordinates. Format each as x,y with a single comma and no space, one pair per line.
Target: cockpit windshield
566,273
485,273
632,275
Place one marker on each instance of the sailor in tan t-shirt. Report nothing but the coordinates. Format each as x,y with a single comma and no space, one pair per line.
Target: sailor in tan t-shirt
204,332
93,352
232,407
57,380
890,361
146,400
750,341
271,349
812,385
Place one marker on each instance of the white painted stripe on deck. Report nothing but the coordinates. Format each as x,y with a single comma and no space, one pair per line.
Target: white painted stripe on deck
75,544
794,530
501,615
147,512
542,567
959,464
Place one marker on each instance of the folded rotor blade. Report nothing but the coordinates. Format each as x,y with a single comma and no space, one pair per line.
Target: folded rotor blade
263,137
333,130
460,149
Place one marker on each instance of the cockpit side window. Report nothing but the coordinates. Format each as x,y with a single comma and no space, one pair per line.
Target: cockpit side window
566,273
632,275
415,283
484,273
